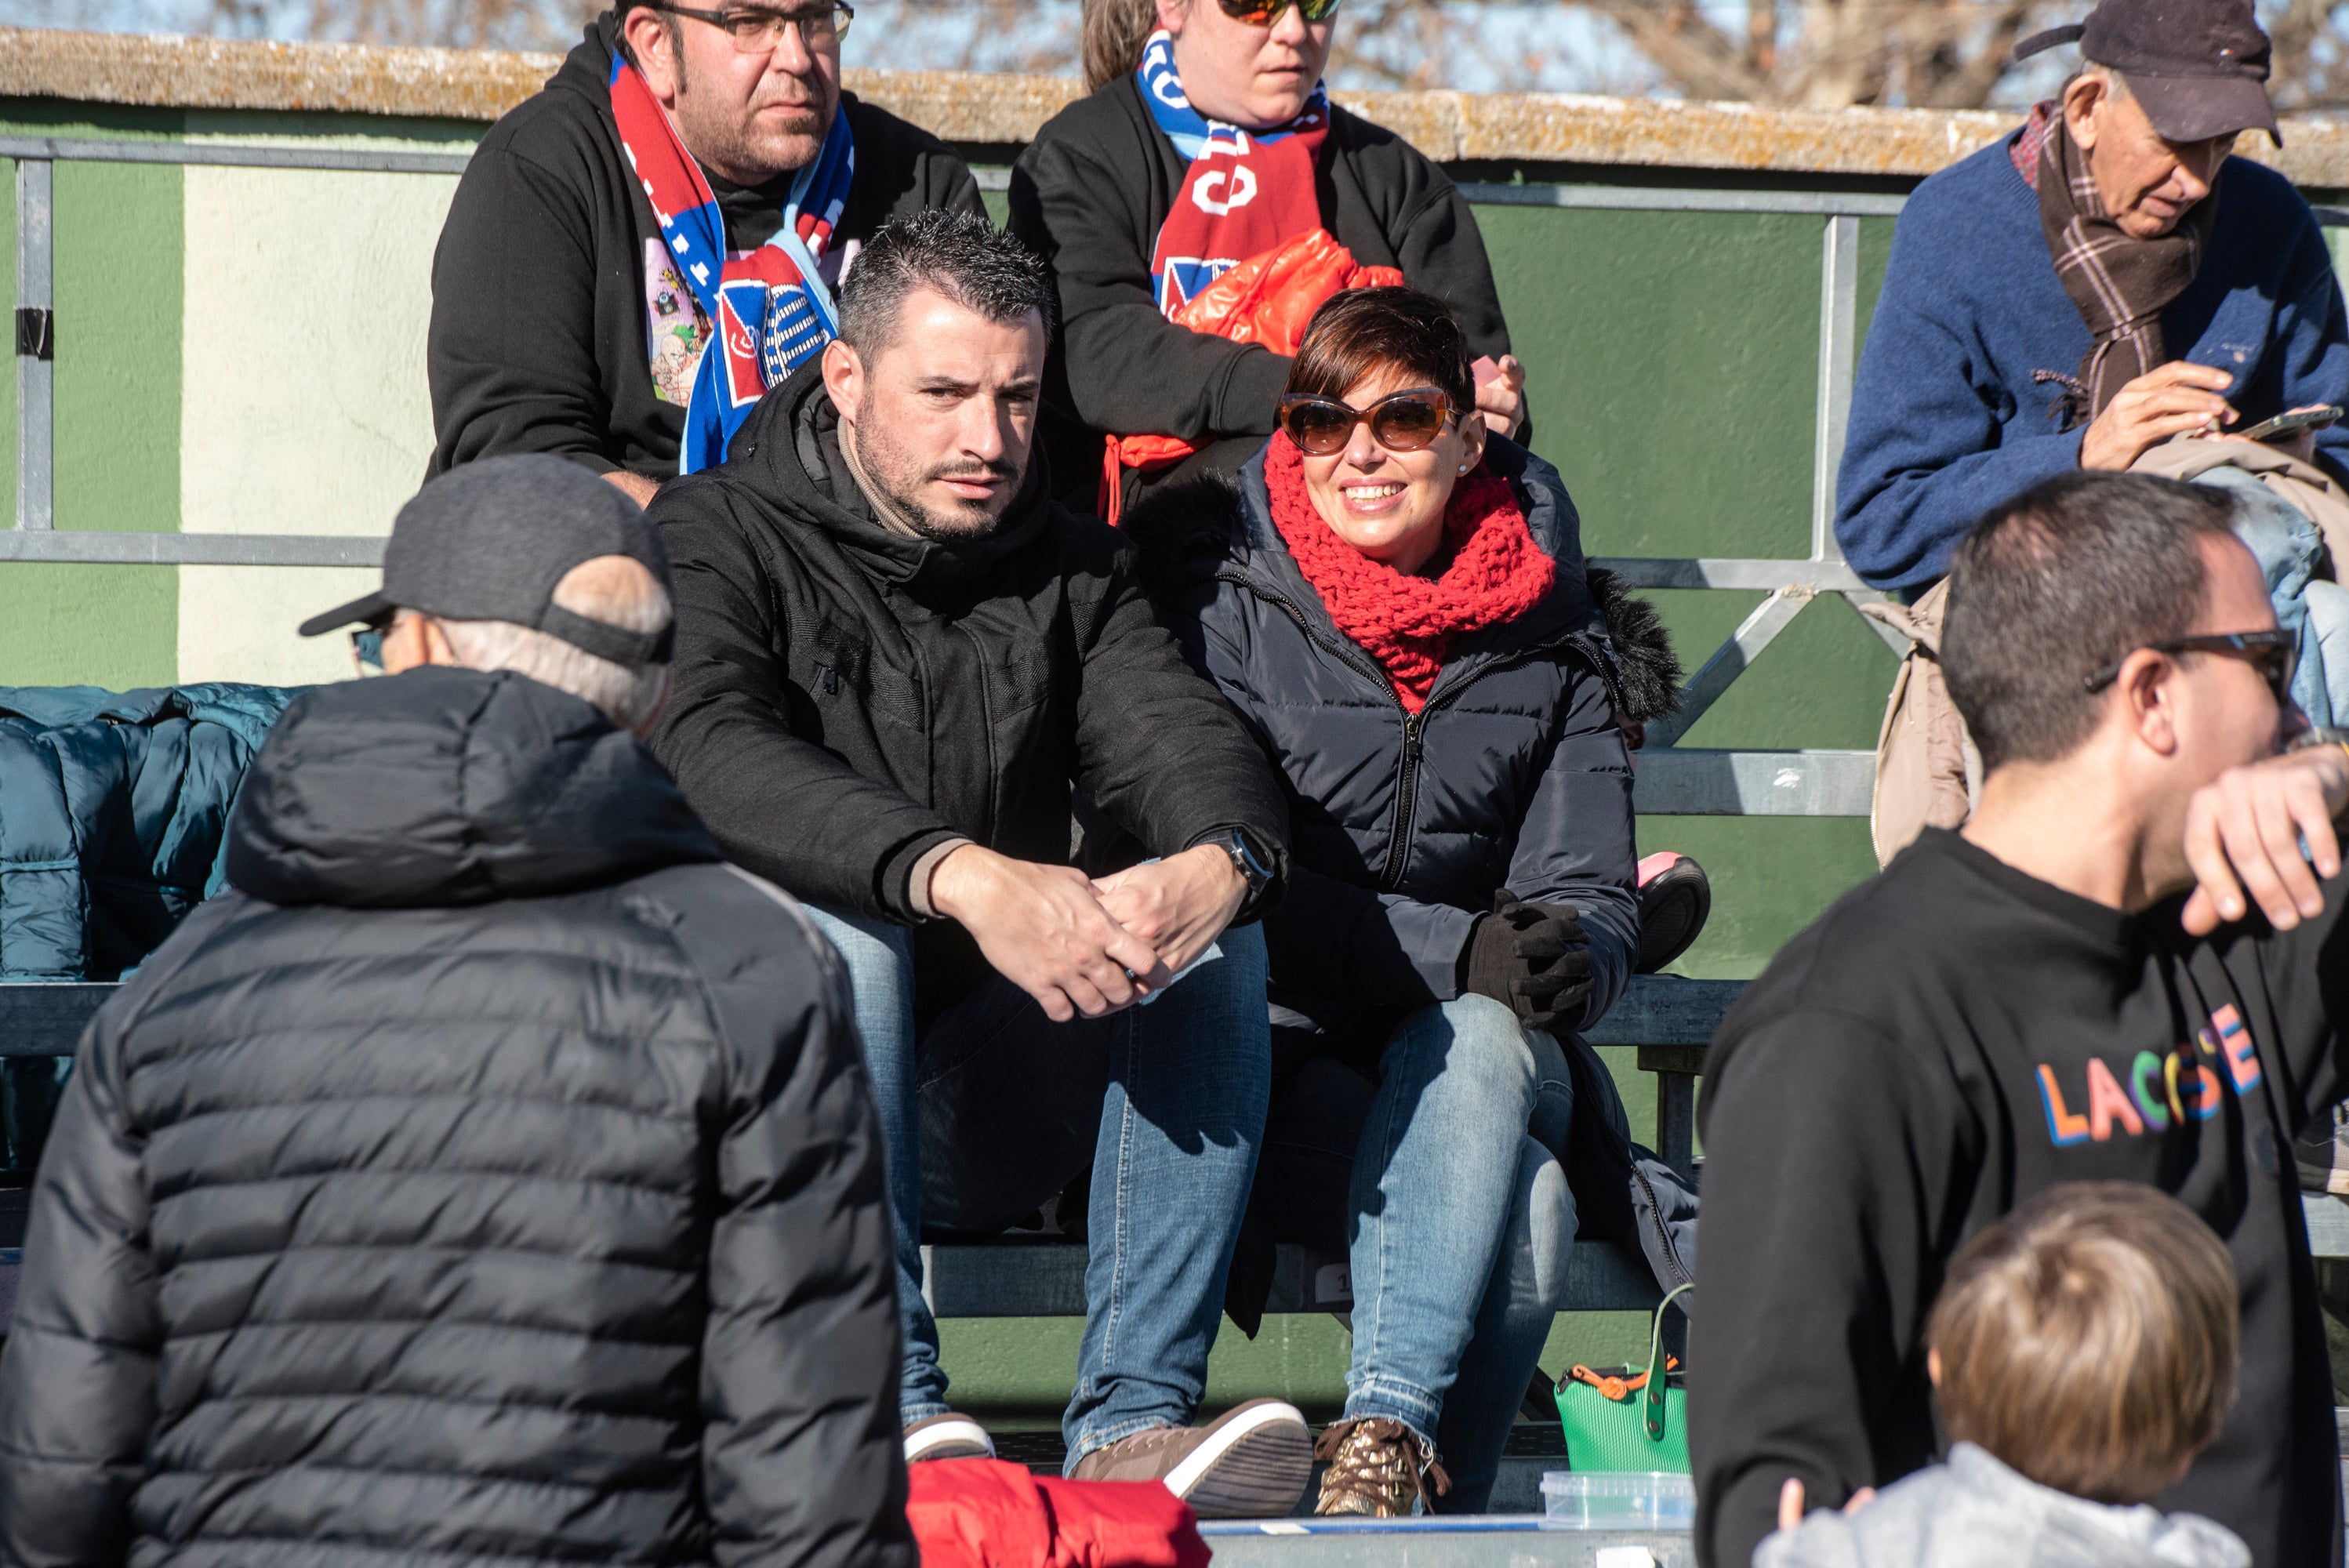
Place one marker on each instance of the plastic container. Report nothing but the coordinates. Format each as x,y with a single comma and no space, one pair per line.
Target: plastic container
1603,1499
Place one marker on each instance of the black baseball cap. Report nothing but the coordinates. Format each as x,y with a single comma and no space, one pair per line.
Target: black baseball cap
490,541
2199,66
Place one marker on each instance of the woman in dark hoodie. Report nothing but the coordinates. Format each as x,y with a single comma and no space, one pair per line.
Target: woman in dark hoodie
1400,614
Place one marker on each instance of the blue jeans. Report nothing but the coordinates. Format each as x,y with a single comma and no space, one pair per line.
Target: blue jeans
1445,1187
991,1108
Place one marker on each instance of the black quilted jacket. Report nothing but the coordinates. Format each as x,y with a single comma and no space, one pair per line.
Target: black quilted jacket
487,1177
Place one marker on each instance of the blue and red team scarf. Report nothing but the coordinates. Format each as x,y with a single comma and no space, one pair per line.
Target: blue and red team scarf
1245,192
769,307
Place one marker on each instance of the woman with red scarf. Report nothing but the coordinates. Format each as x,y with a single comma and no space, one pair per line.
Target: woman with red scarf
1398,609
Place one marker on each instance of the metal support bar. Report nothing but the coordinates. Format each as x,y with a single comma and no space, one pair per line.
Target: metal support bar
1666,571
1669,199
35,348
1838,317
1695,782
1899,643
348,159
93,547
1731,660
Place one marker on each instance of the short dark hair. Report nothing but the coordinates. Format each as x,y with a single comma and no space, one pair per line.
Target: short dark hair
1361,331
959,254
2088,1339
2070,576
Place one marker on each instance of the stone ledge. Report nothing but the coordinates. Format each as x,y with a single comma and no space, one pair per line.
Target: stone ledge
471,85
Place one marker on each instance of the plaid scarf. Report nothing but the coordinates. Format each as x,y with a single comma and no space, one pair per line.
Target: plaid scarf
2120,285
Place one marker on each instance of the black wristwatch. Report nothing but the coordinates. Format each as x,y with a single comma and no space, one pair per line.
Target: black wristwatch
1253,872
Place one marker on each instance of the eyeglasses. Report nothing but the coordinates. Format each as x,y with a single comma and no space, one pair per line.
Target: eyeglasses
1402,421
367,649
761,32
2274,653
1262,12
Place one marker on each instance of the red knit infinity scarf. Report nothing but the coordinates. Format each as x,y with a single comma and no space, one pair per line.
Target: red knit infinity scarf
1409,623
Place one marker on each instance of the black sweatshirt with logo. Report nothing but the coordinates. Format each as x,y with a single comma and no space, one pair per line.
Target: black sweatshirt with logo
1950,1040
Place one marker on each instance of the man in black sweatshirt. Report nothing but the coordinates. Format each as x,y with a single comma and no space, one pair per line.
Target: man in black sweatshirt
2046,995
568,318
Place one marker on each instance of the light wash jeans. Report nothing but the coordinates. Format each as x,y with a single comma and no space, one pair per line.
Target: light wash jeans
1462,1225
993,1108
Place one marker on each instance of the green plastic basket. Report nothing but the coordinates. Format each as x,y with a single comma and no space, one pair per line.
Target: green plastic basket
1646,1430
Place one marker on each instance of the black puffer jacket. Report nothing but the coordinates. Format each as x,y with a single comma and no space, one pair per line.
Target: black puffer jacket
487,1177
849,699
1402,826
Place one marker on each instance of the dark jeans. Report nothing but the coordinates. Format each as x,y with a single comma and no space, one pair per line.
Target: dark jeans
992,1108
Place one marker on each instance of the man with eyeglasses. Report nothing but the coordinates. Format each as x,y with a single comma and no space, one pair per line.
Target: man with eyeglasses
638,252
1214,145
2124,968
2103,279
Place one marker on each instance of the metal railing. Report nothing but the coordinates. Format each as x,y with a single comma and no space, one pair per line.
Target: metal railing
1673,780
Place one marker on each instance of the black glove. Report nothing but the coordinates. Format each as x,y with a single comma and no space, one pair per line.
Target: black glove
1535,957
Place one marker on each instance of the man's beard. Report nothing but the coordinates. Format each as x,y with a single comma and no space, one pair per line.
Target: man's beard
893,480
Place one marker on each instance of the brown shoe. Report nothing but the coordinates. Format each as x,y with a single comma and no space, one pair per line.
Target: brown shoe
1377,1469
952,1436
1252,1463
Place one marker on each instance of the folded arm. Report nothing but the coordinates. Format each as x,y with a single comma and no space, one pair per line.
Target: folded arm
1128,368
510,354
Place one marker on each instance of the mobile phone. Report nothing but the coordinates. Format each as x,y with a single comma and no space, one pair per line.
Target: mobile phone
2293,423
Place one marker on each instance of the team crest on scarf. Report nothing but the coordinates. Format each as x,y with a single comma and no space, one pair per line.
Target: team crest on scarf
769,307
1244,192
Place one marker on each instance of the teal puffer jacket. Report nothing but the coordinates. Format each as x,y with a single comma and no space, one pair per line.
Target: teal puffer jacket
112,806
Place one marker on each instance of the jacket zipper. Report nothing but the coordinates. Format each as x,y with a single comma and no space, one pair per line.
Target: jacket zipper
1414,724
1663,1231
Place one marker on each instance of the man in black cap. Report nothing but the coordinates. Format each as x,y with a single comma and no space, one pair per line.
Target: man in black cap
488,1174
2103,279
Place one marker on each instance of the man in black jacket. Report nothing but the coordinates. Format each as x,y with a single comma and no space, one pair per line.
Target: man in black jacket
896,654
488,1174
567,318
2037,1000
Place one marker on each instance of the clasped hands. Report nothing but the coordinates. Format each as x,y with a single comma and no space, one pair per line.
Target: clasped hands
1084,947
1533,958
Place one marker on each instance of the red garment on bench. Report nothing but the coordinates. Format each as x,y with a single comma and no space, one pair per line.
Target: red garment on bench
986,1513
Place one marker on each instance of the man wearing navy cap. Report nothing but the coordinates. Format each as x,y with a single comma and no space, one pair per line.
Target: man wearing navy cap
2105,278
488,1174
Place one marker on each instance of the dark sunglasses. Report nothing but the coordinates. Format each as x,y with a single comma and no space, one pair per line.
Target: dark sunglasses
1402,421
1261,13
2273,653
367,646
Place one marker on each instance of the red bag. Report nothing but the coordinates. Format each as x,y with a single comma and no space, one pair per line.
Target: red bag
986,1513
1266,299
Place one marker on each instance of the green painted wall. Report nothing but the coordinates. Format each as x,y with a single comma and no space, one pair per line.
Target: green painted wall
117,280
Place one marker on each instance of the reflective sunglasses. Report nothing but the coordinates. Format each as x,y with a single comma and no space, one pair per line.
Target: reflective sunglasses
367,646
761,32
1262,12
1402,421
2274,653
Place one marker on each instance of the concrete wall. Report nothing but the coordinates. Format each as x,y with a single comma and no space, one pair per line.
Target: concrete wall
241,350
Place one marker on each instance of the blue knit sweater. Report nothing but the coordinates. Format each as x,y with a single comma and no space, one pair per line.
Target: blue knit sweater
1946,422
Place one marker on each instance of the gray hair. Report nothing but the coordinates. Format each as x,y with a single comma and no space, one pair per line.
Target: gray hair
957,255
631,600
